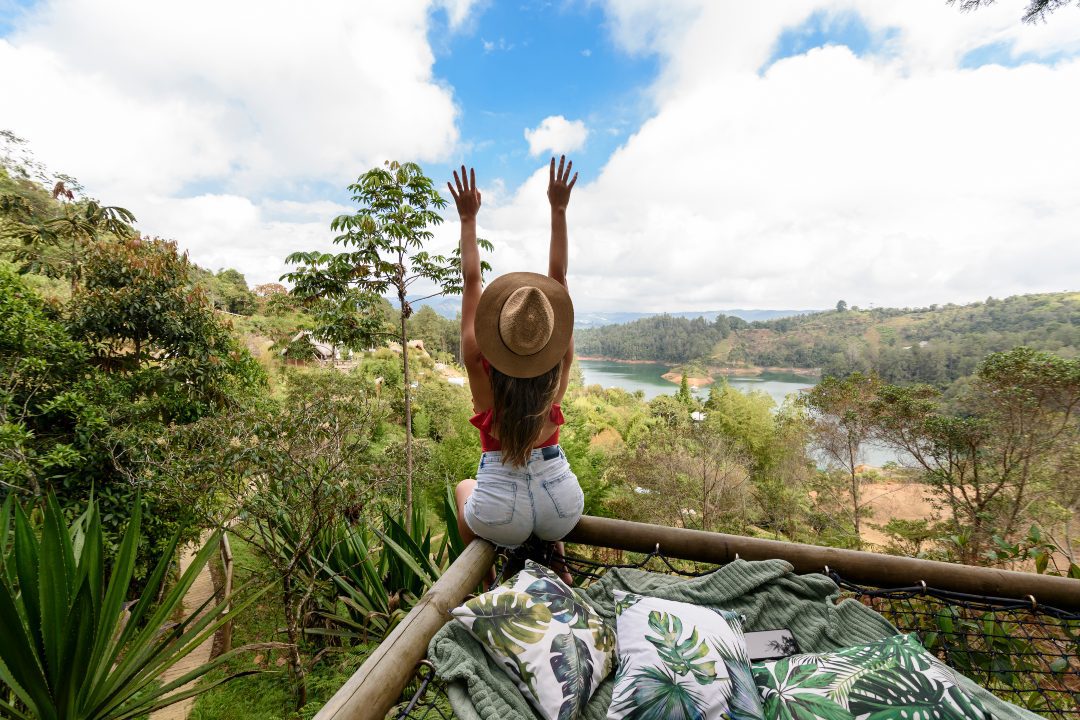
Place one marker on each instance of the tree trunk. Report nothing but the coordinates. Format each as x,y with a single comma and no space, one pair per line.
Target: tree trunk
853,457
296,665
408,419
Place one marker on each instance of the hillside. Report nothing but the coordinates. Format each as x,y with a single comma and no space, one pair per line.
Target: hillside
935,345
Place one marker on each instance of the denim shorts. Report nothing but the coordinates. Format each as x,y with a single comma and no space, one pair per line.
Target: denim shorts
509,504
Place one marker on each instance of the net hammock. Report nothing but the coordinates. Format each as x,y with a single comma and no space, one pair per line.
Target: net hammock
1023,652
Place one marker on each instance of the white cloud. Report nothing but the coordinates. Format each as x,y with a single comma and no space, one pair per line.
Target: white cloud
222,231
894,179
458,11
149,104
556,134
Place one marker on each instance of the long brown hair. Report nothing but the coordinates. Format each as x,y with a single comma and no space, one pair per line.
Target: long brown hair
521,409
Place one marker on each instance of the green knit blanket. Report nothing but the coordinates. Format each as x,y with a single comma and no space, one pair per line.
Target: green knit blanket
768,593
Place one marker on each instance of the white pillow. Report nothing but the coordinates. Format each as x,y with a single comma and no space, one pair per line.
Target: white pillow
892,678
680,662
546,636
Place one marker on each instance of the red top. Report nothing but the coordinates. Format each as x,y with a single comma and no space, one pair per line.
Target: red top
483,422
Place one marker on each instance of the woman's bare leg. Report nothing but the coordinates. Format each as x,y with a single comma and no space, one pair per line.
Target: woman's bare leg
461,493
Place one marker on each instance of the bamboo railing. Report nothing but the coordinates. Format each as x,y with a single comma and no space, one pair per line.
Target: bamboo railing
376,686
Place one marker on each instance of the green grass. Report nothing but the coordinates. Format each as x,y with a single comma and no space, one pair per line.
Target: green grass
268,695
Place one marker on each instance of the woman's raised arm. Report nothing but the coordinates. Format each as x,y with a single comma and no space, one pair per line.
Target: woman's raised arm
559,196
467,198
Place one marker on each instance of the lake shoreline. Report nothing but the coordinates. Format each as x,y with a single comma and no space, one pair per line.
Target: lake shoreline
746,371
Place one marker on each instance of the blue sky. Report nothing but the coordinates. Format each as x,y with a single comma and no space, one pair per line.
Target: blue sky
517,63
730,147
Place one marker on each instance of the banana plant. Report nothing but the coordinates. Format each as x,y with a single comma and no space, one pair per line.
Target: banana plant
67,651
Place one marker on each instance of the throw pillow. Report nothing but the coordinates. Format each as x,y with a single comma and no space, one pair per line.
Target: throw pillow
546,636
680,661
893,679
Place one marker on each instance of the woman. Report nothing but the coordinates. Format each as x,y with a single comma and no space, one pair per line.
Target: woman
517,346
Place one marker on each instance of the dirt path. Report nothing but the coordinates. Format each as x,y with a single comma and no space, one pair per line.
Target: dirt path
201,590
888,500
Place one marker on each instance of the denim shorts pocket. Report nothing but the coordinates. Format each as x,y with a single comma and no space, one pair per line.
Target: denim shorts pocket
565,494
493,501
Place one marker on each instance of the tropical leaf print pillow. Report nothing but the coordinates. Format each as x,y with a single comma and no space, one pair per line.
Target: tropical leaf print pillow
894,679
680,662
546,636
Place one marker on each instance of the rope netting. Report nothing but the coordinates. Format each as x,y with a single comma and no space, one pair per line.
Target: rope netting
1023,652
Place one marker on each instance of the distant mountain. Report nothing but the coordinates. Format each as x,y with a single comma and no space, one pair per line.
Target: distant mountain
935,345
450,306
599,319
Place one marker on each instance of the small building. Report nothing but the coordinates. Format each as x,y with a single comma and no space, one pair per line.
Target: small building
321,351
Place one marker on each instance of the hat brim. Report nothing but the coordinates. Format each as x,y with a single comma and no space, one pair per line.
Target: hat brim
490,339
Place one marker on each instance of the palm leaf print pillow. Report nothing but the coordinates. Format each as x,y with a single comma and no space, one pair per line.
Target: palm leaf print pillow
680,662
894,679
546,636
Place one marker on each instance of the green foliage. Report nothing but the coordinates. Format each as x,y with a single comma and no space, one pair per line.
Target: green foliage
228,290
385,241
910,537
997,453
663,338
56,245
1036,547
929,345
79,408
442,337
146,324
67,650
378,574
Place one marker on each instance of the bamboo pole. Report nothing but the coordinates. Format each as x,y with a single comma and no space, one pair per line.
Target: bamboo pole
377,684
857,566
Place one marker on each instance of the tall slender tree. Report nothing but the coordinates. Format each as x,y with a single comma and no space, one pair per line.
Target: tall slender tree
384,241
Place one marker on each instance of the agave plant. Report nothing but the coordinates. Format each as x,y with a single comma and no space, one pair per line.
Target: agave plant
67,652
380,573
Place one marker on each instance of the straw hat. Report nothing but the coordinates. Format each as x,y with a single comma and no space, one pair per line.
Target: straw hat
524,323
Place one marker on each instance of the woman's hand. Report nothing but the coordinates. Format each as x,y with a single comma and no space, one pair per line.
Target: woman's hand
467,197
558,188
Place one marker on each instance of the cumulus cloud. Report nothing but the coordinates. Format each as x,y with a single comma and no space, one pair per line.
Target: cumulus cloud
556,134
895,177
154,105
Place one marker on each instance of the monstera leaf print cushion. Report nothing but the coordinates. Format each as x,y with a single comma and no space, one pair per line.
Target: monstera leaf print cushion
680,662
893,679
546,636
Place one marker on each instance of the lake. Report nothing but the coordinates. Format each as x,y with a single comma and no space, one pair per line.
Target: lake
648,377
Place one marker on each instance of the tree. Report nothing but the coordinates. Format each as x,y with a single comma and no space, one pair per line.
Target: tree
151,328
439,334
286,474
841,423
841,305
686,475
385,240
1002,448
57,245
683,395
1036,10
85,389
